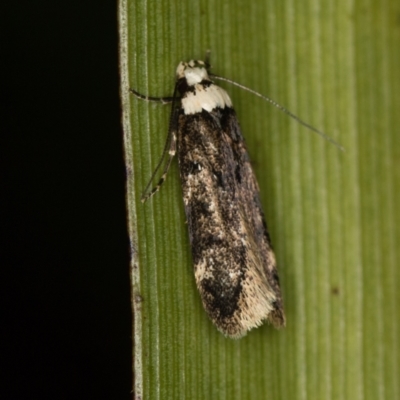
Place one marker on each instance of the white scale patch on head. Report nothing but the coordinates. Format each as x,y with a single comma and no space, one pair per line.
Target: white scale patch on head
202,98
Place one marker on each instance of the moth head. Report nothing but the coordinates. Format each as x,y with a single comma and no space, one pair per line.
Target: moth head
194,71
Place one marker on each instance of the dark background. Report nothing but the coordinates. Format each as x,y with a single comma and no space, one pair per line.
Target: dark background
65,319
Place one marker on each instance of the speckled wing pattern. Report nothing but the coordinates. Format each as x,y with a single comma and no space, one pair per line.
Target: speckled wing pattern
234,263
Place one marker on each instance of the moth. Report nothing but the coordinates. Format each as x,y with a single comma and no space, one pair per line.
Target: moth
234,263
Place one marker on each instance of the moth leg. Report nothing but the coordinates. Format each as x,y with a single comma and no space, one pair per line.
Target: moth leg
162,100
170,144
171,154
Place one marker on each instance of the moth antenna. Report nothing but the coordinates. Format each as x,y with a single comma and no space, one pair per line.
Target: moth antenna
162,100
207,58
285,110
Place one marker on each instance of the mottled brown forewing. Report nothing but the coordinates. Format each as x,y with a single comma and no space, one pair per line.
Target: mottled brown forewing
234,263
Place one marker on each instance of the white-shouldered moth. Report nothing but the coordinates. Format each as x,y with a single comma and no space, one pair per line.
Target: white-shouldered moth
234,264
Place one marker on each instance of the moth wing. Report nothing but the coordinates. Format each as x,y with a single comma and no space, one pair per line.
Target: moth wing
234,263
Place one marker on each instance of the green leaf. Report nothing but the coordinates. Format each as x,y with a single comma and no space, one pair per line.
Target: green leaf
334,217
